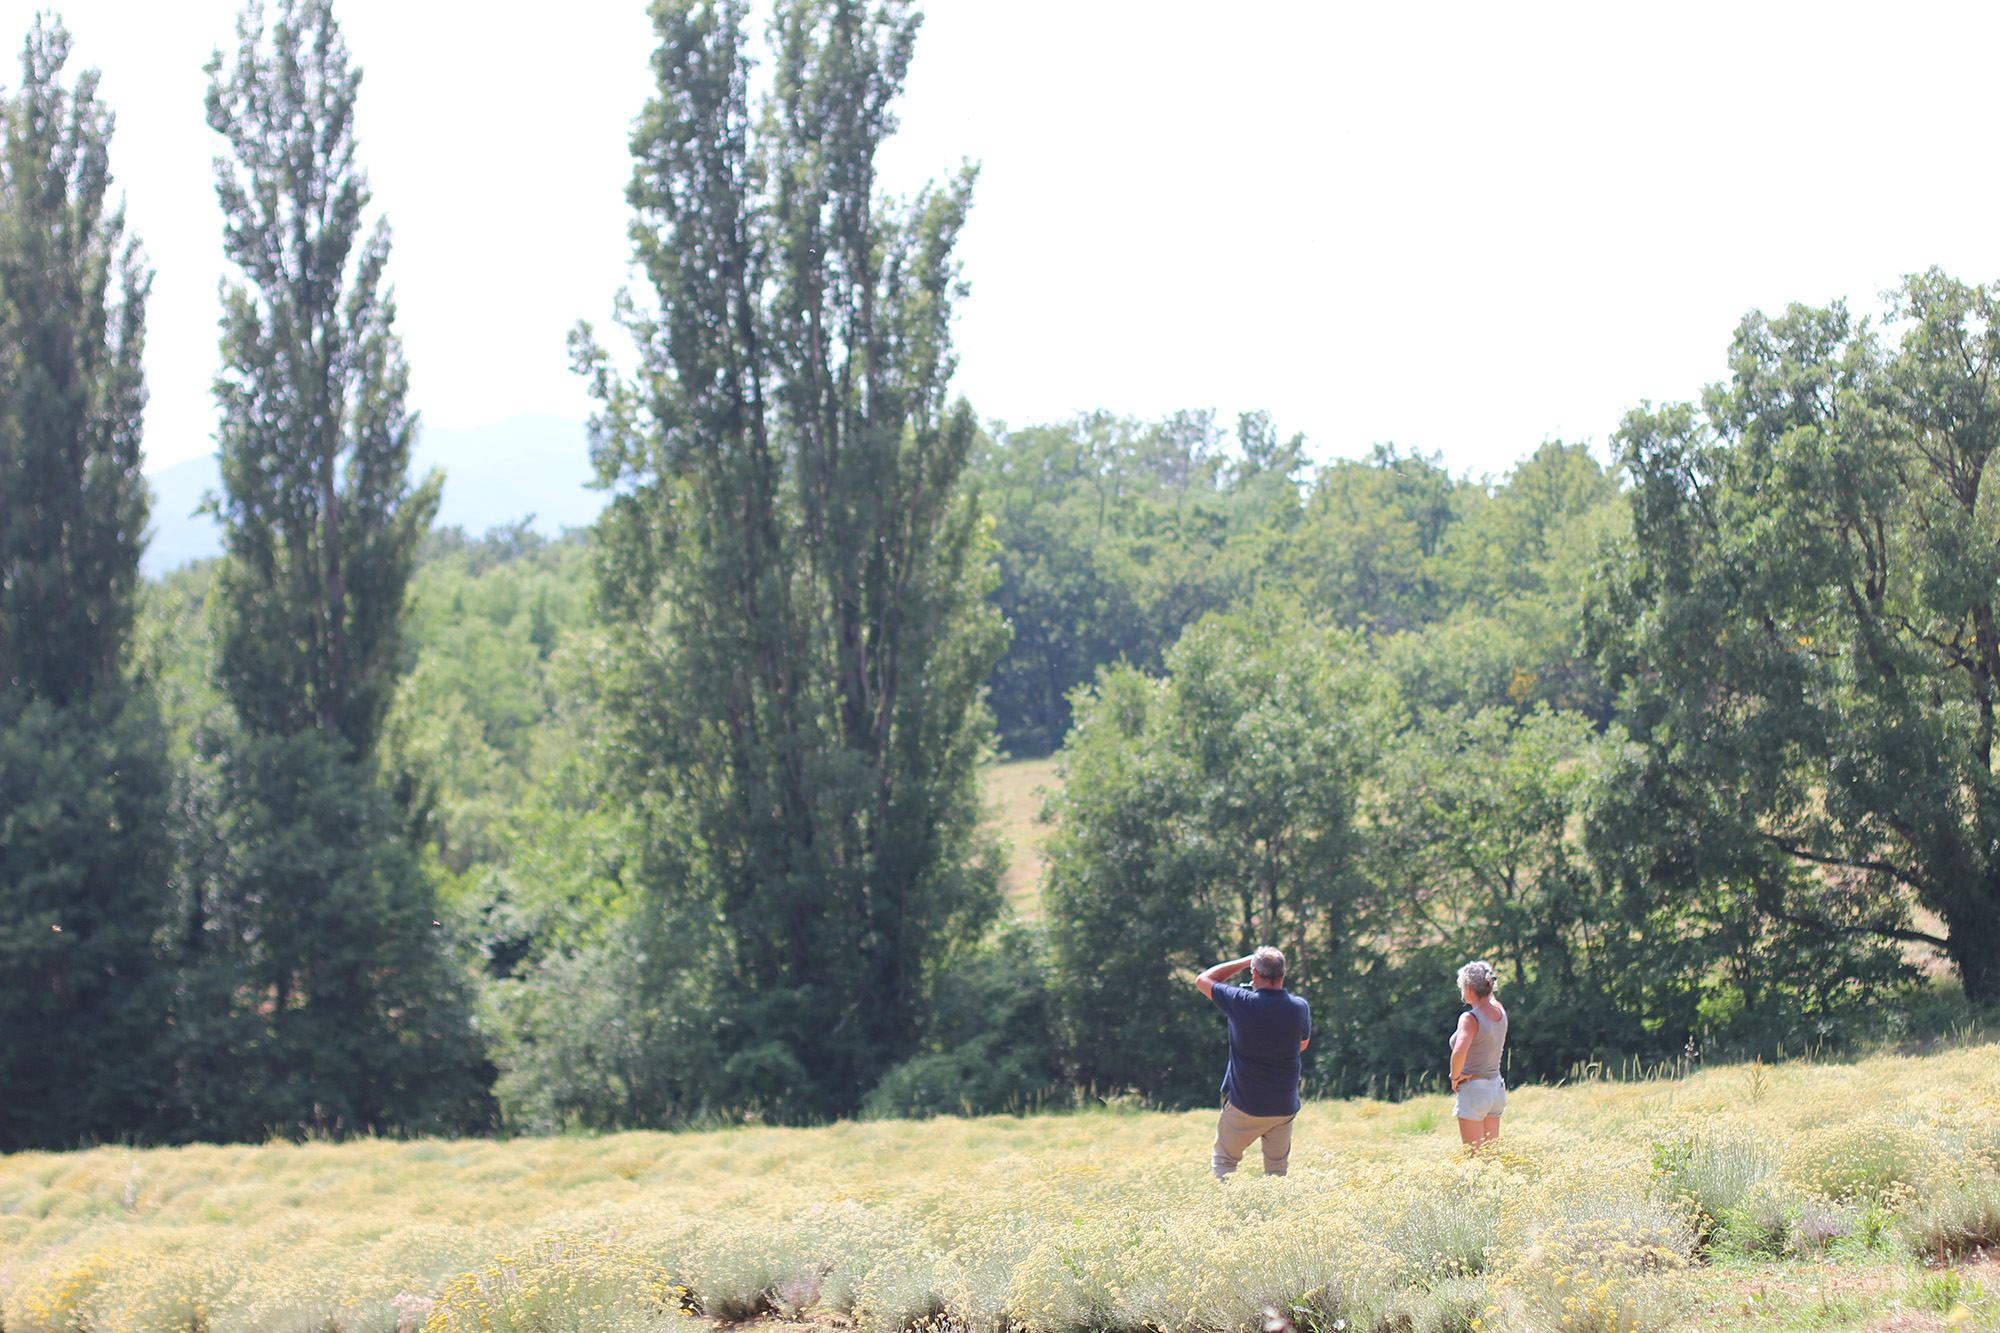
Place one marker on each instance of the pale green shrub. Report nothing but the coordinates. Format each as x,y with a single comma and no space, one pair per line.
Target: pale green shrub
181,1293
1972,1138
1605,1275
1321,1268
734,1273
1949,1220
310,1278
60,1294
1713,1173
974,1278
1761,1222
1067,1280
901,1291
562,1284
1870,1158
1442,1237
1451,1306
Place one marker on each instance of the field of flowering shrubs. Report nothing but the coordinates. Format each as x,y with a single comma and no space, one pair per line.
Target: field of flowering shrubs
1801,1195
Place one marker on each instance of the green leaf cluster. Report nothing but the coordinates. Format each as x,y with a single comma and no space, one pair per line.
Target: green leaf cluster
1115,535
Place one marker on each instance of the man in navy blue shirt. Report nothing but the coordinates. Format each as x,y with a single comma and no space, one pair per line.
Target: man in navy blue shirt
1268,1028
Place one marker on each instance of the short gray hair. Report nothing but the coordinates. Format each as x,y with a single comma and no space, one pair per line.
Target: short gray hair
1268,963
1480,976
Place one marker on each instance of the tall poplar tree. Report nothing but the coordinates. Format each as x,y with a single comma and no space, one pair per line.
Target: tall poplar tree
83,851
794,570
340,1007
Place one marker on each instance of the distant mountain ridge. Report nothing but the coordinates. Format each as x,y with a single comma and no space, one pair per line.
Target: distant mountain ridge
533,463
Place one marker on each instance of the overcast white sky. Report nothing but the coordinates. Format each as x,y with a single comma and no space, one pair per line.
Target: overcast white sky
1458,227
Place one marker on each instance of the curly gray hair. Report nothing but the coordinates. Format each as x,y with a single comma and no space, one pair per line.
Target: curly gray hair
1479,976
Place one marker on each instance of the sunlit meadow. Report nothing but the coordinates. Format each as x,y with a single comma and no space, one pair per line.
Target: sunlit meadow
1802,1195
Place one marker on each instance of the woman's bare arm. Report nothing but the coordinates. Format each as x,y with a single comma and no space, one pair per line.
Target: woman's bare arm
1461,1042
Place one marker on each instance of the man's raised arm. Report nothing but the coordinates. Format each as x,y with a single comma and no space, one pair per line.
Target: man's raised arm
1205,983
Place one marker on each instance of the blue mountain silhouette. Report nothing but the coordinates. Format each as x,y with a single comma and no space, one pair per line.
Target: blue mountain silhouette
527,464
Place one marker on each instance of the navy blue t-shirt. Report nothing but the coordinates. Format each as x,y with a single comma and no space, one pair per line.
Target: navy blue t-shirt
1265,1029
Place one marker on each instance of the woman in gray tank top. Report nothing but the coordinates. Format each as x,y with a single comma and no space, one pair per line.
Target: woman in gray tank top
1476,1048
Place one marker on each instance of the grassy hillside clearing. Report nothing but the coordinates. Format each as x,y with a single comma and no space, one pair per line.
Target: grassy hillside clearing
1591,1215
1014,792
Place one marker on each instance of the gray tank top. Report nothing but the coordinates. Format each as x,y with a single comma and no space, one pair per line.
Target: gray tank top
1482,1054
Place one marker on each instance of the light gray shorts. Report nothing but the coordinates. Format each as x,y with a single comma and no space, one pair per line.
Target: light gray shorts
1480,1097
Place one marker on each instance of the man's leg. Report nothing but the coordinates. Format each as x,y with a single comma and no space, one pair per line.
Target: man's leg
1234,1132
1278,1147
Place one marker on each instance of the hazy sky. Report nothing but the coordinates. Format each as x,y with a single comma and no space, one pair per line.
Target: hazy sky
1458,227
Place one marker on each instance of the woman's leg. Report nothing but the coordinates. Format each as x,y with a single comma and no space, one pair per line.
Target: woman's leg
1490,1130
1472,1133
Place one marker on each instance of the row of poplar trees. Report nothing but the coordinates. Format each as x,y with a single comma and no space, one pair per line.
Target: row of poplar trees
239,939
235,936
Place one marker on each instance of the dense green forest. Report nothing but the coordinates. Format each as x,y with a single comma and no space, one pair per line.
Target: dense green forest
372,826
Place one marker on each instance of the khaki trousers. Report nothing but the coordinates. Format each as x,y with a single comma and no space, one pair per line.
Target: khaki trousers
1235,1132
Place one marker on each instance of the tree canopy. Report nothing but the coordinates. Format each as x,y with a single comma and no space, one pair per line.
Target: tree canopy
1804,619
790,569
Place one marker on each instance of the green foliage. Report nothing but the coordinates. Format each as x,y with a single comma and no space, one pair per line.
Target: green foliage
792,573
83,863
173,648
987,1041
1114,535
1523,540
1480,776
690,800
1367,548
72,390
479,717
1939,1292
1508,835
597,1037
595,993
83,846
314,440
1270,778
1804,621
1477,852
580,1284
1202,815
323,999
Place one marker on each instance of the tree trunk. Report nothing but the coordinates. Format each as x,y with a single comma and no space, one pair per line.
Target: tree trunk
1973,940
